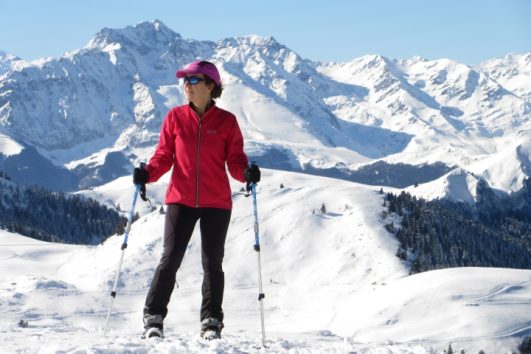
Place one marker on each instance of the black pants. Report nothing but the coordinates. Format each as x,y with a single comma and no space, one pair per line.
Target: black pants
178,228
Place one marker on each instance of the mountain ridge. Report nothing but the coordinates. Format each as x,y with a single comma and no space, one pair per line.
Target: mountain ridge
111,96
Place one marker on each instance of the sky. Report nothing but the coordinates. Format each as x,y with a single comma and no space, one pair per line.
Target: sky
469,31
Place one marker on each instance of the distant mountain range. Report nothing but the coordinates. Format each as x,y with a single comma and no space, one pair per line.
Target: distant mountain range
85,118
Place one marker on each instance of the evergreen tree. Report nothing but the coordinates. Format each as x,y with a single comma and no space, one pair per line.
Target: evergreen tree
525,346
55,216
442,234
450,350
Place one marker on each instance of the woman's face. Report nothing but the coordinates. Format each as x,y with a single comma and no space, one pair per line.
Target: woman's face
199,92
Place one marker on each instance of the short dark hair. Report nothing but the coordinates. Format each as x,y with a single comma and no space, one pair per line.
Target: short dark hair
217,90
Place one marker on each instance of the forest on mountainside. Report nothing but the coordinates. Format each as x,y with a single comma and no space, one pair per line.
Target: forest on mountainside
436,234
55,216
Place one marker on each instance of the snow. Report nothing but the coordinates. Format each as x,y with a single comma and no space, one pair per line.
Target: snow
332,283
455,114
457,185
10,62
512,71
112,95
9,146
332,280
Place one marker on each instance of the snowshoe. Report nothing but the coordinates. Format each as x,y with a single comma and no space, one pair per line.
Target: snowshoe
211,329
153,326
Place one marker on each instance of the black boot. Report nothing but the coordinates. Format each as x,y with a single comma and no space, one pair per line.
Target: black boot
153,326
211,328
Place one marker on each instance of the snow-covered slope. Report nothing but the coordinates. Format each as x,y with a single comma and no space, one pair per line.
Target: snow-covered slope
455,114
110,98
457,185
332,284
332,280
8,146
512,72
10,62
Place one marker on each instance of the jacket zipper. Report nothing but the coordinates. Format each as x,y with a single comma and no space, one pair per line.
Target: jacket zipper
197,166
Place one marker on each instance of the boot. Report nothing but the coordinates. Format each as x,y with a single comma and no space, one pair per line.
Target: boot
153,326
211,328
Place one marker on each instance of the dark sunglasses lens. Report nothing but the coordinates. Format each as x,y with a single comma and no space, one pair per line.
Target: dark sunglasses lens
192,80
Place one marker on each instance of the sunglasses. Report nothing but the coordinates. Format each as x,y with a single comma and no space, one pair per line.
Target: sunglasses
193,80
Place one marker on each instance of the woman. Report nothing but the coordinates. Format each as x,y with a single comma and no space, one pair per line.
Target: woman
197,139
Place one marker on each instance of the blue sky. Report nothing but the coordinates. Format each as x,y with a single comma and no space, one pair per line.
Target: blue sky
469,31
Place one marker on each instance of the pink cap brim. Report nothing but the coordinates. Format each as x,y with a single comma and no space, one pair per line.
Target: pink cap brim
195,67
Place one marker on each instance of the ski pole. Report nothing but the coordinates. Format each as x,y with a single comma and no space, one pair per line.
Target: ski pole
138,187
261,294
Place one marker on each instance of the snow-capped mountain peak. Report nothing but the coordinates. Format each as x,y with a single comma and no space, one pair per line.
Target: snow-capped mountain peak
132,36
96,111
512,71
10,62
112,95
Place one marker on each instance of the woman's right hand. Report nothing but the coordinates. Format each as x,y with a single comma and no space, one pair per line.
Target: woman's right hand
140,175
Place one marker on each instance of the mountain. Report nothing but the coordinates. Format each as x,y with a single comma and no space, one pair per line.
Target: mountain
332,280
512,72
332,283
457,115
96,111
10,62
458,185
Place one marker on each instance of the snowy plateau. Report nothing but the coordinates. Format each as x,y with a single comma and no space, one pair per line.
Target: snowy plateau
332,281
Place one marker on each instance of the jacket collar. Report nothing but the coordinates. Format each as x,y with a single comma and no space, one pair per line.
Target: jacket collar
211,108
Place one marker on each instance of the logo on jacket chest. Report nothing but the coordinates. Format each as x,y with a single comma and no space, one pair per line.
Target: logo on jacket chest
211,131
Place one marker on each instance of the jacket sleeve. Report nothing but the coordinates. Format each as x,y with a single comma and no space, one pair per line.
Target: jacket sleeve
163,158
237,160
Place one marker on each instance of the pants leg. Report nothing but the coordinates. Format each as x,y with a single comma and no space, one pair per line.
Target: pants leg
214,225
178,228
